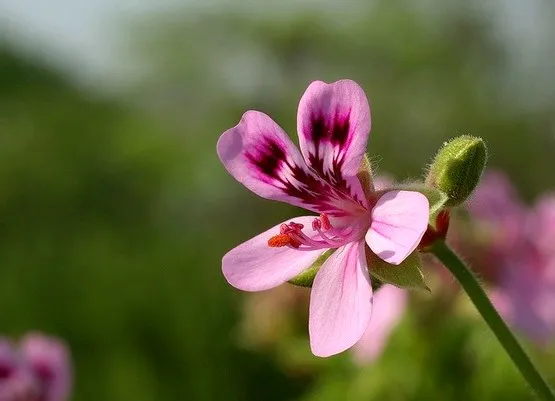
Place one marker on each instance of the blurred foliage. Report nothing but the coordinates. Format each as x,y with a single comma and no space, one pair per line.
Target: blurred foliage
114,213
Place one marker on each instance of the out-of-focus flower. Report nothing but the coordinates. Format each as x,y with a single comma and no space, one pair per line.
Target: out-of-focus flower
497,209
17,383
515,251
48,358
542,224
390,303
37,370
333,123
268,315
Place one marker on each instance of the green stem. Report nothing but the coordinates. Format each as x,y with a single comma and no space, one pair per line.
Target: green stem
477,295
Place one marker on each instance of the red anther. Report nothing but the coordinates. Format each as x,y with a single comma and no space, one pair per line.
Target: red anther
325,221
296,226
277,241
316,224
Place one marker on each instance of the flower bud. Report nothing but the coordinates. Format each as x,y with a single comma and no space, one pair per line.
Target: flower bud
457,168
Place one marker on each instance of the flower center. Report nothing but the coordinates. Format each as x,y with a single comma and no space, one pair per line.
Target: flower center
324,235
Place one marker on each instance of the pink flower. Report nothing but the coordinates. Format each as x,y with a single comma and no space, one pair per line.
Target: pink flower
519,252
543,225
37,370
49,360
495,204
333,123
16,379
390,303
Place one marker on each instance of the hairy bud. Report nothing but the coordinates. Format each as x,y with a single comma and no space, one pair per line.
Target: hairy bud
457,168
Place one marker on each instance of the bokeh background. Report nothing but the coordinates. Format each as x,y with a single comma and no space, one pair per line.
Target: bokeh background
115,210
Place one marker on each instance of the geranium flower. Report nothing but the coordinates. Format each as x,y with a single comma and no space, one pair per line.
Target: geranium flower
37,370
48,358
333,124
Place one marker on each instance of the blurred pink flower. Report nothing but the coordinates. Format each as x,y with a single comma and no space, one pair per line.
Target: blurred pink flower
48,358
521,250
390,303
542,224
333,123
37,370
496,206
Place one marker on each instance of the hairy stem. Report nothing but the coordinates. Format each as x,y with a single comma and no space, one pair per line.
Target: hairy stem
477,295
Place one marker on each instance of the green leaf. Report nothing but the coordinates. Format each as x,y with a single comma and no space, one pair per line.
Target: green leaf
306,278
406,275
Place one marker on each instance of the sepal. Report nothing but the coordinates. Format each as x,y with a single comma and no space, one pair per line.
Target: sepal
407,275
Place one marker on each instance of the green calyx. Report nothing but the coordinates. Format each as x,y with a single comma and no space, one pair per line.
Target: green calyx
457,168
407,275
306,278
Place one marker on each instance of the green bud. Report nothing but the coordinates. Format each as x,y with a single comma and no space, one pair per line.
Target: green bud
406,275
457,168
306,278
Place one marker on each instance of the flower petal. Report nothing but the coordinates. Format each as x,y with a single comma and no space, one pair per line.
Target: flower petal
399,221
260,155
333,122
340,301
254,266
389,305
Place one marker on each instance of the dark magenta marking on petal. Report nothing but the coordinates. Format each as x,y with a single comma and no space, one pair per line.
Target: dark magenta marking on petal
319,191
331,135
334,130
340,130
268,157
318,128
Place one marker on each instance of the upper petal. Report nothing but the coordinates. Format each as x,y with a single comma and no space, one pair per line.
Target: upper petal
333,123
254,266
340,301
399,221
389,305
260,155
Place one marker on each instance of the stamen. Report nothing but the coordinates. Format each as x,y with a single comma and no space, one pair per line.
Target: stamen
316,224
280,240
326,225
292,235
328,239
296,226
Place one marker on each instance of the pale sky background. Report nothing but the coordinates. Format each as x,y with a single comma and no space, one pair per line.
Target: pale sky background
83,36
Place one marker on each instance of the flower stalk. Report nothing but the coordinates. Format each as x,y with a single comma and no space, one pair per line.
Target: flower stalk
477,295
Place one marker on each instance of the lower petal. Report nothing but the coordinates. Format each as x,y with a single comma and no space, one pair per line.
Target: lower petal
399,220
254,266
340,301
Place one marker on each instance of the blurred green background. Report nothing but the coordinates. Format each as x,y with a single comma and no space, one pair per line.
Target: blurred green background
115,210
